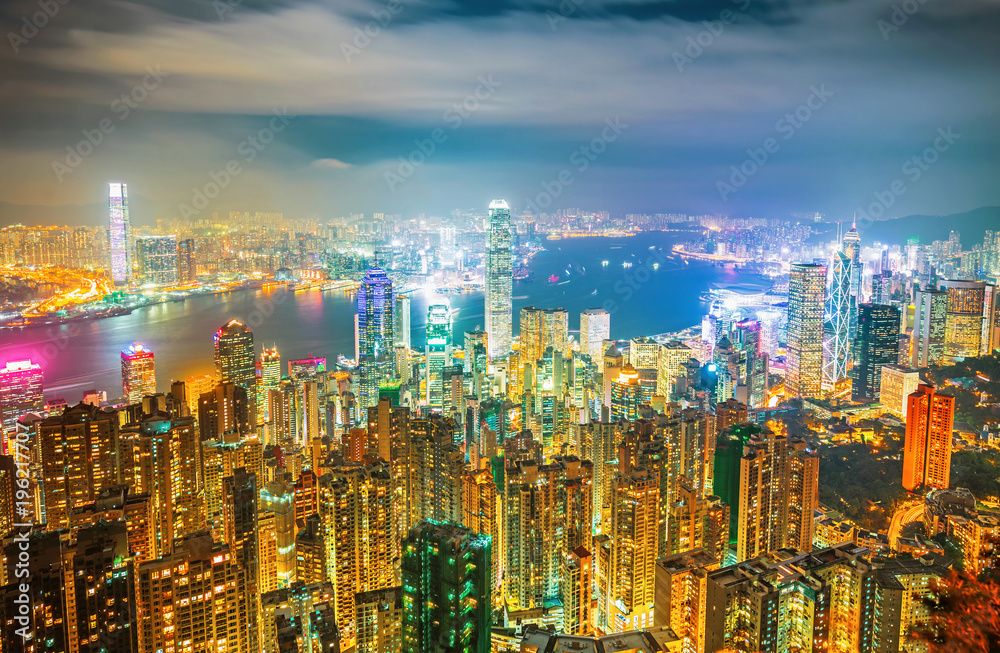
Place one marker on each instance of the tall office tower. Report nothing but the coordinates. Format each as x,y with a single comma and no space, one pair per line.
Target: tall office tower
877,344
634,546
79,455
225,411
278,497
670,366
157,259
753,363
499,280
841,306
644,353
119,234
626,395
356,515
480,514
102,590
882,288
401,321
770,329
435,472
437,352
851,246
548,513
187,265
541,328
806,294
376,338
969,319
234,355
447,603
268,380
595,328
20,393
681,586
380,620
930,420
779,491
188,600
929,320
793,601
239,510
138,373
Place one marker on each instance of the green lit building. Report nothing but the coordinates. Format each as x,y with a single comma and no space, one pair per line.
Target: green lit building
447,599
726,479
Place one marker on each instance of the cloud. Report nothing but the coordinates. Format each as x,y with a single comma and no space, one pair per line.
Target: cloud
331,164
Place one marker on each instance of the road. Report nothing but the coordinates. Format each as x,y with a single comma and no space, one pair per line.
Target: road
904,516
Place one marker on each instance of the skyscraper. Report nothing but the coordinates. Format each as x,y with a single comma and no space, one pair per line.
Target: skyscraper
447,601
234,355
187,267
634,546
376,339
542,328
20,394
969,319
499,280
930,420
877,344
806,294
138,373
929,317
119,234
437,352
595,328
841,306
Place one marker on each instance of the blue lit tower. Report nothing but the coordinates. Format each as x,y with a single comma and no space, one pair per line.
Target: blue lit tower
499,280
446,581
840,306
375,336
119,234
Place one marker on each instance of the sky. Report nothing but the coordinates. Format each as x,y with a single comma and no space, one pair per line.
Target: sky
764,108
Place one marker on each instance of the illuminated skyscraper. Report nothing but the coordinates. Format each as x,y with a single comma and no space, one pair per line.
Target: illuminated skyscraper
969,319
541,329
806,294
682,594
930,420
841,306
499,280
437,351
268,381
480,515
138,373
239,509
234,355
187,266
595,328
401,317
157,259
929,319
877,344
625,395
119,234
376,339
447,601
20,394
634,546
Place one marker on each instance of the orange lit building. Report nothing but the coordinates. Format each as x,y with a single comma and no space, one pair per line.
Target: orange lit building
930,418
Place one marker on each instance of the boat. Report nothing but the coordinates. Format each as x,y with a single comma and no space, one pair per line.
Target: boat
593,293
553,279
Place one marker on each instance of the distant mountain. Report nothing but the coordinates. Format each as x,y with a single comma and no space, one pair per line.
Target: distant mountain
928,228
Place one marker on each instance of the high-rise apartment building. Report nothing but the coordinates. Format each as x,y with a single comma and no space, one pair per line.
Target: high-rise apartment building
898,383
541,328
595,328
447,602
119,234
634,546
187,265
481,514
682,595
158,261
138,373
876,345
376,338
380,620
806,298
969,318
234,355
499,280
930,421
437,352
